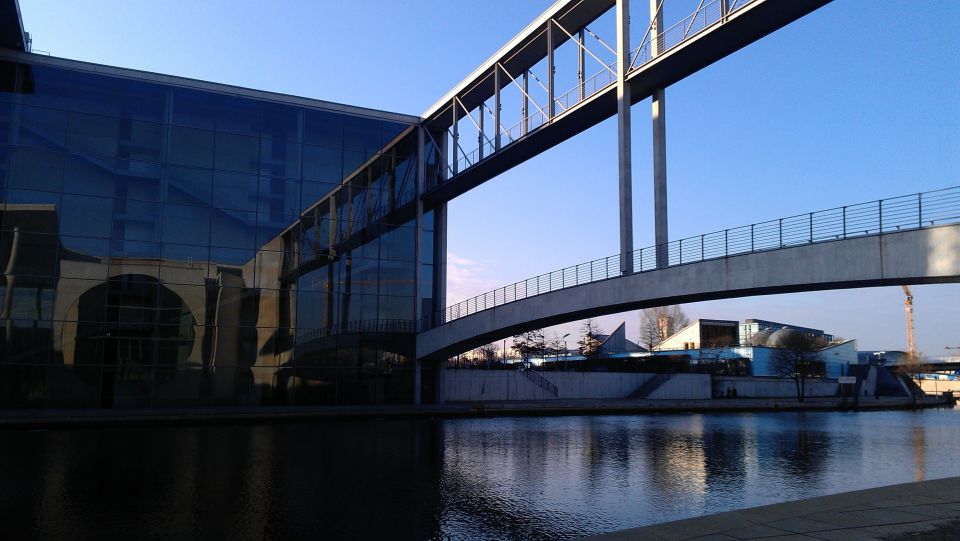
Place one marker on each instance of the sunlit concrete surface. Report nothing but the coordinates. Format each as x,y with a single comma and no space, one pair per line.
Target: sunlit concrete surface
893,512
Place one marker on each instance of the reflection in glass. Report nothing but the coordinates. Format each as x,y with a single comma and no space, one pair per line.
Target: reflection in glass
166,246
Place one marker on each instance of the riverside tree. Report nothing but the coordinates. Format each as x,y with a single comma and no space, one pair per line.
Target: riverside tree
589,338
529,343
797,356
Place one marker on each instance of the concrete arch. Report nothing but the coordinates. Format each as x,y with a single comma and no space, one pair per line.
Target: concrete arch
920,256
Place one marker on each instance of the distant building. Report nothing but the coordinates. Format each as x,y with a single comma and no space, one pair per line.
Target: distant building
882,358
753,331
748,348
616,343
710,333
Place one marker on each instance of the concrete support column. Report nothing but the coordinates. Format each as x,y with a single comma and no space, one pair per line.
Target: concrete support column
525,111
581,65
480,134
658,114
496,107
420,317
455,142
660,176
623,138
551,104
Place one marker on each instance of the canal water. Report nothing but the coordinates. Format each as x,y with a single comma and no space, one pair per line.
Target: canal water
500,478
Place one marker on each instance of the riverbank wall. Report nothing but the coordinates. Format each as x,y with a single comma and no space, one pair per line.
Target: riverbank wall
473,385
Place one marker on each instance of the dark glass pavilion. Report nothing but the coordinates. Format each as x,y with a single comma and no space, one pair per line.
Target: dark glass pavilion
169,242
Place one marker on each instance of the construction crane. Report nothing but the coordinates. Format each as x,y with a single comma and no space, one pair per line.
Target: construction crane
908,307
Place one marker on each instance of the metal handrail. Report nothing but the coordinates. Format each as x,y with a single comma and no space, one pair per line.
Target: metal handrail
915,211
403,326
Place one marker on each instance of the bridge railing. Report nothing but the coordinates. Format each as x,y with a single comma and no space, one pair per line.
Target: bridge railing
915,211
706,15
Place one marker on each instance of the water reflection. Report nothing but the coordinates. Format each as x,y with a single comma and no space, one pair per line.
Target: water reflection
522,478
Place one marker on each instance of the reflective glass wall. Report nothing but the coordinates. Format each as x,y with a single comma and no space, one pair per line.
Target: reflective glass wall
168,246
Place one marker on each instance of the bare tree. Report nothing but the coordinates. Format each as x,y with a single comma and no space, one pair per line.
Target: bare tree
797,356
487,353
589,338
529,343
556,345
658,324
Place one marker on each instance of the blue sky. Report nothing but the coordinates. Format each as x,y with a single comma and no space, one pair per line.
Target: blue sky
858,101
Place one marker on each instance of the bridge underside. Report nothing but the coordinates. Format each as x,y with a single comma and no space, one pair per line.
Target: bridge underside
924,256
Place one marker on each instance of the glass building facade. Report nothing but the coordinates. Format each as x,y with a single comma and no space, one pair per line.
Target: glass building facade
186,244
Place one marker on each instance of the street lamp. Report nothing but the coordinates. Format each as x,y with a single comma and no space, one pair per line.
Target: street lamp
565,350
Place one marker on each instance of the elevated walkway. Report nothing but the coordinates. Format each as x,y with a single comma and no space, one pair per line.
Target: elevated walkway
923,256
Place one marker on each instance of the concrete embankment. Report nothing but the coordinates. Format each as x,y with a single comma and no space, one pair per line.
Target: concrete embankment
923,510
54,418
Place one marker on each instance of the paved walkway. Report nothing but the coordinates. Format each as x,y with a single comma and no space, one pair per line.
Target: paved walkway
924,510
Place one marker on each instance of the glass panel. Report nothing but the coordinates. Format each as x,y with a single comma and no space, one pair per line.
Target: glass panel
313,192
362,134
391,130
269,227
193,109
139,140
237,115
237,153
136,220
89,176
279,157
36,169
396,278
396,307
85,216
17,197
191,147
279,198
138,180
235,191
398,243
81,257
280,122
186,224
181,259
323,128
25,254
94,135
189,186
427,246
233,228
230,258
45,128
323,164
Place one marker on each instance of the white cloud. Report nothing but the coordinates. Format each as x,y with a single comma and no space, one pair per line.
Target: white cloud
467,278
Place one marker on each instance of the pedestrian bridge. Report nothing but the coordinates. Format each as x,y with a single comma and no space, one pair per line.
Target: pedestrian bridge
913,239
